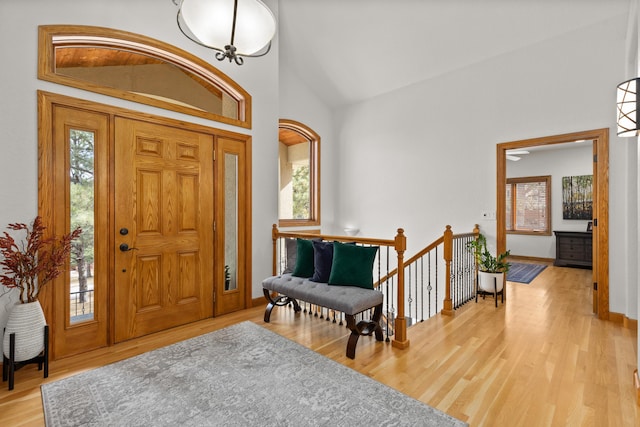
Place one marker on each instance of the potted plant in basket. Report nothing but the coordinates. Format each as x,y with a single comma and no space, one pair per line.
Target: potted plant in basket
491,269
28,265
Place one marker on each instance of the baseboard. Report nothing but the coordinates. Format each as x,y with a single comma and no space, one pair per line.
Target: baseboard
630,323
623,320
530,258
636,383
258,302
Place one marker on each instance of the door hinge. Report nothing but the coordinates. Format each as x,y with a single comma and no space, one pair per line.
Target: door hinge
214,156
595,222
595,286
214,226
595,158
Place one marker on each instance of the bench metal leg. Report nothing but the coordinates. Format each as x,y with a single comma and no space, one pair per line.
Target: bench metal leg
363,328
280,300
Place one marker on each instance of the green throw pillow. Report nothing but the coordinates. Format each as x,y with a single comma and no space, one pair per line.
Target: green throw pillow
304,259
352,265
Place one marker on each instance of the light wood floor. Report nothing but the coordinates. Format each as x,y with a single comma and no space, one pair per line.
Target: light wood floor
541,359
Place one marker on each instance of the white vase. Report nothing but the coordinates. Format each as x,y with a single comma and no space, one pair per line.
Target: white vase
27,322
486,281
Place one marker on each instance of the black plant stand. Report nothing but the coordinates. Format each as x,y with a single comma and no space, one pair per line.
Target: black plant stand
495,293
9,365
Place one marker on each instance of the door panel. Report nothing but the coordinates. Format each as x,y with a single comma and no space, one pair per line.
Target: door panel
164,201
79,315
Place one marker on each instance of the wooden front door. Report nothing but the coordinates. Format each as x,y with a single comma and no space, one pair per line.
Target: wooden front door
148,183
163,238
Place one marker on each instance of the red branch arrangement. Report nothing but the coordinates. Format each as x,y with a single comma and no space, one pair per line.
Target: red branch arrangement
34,262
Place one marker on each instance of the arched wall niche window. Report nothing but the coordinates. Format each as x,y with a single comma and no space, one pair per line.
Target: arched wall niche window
140,69
299,175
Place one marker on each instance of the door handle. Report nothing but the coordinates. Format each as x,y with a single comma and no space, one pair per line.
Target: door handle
125,248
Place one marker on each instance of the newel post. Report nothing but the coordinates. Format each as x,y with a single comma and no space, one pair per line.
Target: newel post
274,237
447,308
400,336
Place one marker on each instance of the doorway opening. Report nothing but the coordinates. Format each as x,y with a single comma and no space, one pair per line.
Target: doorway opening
600,229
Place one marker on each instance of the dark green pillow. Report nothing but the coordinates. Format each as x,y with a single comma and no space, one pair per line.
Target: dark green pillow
304,259
352,265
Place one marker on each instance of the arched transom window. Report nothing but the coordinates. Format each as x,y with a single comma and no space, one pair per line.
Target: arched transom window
140,69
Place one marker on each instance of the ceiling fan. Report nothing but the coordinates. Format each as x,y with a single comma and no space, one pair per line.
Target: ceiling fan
513,154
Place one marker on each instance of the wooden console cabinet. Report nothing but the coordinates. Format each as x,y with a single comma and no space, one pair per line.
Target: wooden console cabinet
573,249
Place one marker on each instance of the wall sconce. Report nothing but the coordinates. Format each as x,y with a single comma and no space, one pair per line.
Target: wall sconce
628,108
234,28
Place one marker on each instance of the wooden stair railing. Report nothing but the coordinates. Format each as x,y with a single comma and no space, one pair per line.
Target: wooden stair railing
449,305
449,242
458,280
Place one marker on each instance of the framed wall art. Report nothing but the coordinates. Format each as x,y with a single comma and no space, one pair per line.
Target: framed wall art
577,197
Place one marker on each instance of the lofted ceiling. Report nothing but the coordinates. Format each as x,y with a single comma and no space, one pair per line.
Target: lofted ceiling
351,50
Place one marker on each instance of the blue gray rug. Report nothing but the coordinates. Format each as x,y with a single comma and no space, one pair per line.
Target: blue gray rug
243,375
524,272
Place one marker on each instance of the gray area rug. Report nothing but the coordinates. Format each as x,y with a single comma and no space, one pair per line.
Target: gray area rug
243,375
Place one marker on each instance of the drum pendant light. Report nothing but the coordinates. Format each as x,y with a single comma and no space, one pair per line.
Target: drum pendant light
234,28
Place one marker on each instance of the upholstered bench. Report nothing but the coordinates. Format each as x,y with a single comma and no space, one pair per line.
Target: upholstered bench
351,300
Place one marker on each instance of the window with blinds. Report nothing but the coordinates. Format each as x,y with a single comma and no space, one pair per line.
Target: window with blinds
529,205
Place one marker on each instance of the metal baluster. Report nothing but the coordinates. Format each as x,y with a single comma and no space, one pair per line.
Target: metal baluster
387,297
454,285
429,287
463,291
422,289
470,271
462,287
467,274
408,286
417,290
392,311
436,293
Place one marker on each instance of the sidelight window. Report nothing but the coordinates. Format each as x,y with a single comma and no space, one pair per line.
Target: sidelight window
81,191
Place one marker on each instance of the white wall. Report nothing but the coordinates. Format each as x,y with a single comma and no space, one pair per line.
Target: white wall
424,156
420,158
557,164
18,111
299,103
